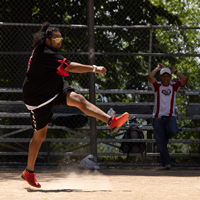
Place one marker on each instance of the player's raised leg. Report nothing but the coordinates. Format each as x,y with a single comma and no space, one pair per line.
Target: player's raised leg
77,100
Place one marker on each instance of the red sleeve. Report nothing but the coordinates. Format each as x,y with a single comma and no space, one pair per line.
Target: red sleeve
156,86
184,83
178,84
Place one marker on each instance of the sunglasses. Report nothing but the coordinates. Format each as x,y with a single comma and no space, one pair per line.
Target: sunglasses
57,40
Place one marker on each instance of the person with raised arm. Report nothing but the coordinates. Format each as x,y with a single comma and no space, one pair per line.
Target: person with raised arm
164,119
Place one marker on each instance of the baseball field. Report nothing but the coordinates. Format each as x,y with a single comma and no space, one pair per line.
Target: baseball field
107,183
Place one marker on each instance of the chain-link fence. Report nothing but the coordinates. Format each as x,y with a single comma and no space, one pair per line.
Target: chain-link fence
129,44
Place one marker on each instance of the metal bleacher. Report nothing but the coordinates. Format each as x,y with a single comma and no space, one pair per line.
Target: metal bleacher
140,110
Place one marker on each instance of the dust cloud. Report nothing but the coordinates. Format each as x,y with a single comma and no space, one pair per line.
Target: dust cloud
86,180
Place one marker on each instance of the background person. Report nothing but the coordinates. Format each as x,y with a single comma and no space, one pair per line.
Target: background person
164,120
44,88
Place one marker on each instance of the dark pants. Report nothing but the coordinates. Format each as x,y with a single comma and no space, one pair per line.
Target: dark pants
164,128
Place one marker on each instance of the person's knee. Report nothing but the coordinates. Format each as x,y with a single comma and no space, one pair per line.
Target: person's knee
80,99
77,100
42,138
39,136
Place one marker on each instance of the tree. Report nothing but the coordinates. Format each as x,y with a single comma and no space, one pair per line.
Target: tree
124,72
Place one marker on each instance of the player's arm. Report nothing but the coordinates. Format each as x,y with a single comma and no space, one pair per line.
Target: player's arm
81,68
182,77
153,73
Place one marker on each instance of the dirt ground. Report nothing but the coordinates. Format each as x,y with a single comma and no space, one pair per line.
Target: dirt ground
107,183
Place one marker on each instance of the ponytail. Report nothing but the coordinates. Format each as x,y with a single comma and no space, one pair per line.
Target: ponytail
45,31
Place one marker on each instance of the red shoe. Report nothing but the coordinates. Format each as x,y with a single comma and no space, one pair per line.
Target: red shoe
30,178
117,122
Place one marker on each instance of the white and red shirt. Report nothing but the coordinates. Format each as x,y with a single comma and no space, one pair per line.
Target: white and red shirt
165,97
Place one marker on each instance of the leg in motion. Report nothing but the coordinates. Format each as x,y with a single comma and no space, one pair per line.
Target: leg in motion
34,147
77,100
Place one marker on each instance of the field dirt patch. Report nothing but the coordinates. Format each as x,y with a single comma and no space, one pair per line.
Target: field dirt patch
106,183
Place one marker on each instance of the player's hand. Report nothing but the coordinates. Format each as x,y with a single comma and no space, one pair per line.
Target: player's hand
101,70
159,67
172,69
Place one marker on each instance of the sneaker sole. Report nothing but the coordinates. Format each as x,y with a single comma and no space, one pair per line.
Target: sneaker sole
114,130
22,176
29,183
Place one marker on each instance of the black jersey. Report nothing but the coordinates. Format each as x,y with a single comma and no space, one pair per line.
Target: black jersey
42,81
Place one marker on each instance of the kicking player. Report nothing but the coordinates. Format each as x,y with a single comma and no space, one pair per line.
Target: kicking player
44,88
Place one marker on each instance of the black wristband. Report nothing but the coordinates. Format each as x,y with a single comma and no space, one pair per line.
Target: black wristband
175,72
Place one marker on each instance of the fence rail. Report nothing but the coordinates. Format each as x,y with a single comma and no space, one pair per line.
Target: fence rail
14,116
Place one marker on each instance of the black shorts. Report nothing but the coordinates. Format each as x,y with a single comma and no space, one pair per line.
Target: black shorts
40,117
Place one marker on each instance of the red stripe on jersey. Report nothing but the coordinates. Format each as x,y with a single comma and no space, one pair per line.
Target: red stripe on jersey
172,103
175,89
157,88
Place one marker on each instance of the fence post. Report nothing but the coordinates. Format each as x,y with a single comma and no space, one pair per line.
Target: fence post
150,48
149,133
90,21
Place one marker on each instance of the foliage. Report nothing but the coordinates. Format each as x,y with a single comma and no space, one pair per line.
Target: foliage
123,72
